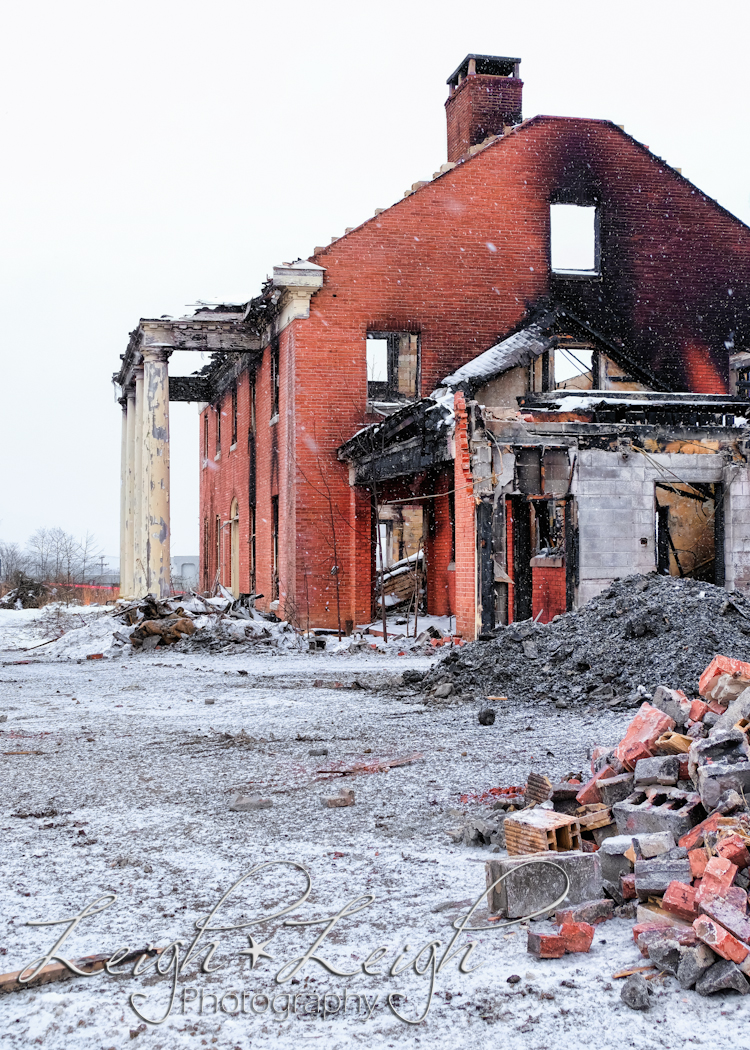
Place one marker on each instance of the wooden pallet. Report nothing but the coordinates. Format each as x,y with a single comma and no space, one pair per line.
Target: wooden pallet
541,831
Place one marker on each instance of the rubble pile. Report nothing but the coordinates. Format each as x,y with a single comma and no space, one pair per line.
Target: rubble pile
201,624
616,649
659,832
27,594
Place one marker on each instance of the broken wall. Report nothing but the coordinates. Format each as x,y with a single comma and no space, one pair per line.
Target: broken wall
616,513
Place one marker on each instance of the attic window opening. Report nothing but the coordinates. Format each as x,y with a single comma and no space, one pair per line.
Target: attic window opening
574,239
392,360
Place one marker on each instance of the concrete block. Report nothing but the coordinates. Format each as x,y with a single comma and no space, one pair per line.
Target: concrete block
534,887
672,703
635,992
659,809
723,976
693,964
717,777
648,846
615,789
665,954
652,877
592,912
664,770
612,857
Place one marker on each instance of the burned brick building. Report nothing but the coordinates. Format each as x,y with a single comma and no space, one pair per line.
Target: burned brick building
523,379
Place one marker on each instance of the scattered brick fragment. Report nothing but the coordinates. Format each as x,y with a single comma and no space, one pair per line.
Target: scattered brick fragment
679,898
720,940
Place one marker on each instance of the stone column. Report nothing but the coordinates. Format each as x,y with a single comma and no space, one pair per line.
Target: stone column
156,468
139,566
124,450
127,586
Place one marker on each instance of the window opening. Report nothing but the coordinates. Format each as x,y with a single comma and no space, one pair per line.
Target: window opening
234,549
392,366
275,545
574,239
206,552
205,435
251,524
234,415
251,428
574,369
218,548
217,410
275,366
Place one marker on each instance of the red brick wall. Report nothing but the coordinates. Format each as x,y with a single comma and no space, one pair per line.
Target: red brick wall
466,572
548,593
438,550
479,107
460,261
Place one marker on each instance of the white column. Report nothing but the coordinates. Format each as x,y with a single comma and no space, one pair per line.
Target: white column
156,469
124,450
126,572
139,566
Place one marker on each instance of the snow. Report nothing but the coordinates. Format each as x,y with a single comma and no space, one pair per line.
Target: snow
132,757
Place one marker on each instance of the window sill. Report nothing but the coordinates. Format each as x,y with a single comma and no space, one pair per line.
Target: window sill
273,420
233,447
578,275
217,457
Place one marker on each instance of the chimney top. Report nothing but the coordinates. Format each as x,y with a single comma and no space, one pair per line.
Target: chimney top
484,65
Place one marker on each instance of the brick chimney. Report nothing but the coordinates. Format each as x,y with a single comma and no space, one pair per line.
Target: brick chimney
484,94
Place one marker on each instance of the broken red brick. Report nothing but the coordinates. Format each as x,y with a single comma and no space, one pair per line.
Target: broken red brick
576,936
722,665
644,730
733,848
733,919
720,940
695,836
697,710
698,861
627,887
684,774
545,945
590,791
717,878
679,898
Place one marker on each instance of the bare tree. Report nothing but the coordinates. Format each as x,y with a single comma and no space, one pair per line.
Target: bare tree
12,561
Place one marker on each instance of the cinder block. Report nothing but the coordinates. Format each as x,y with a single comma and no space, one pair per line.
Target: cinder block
652,877
533,884
615,789
656,809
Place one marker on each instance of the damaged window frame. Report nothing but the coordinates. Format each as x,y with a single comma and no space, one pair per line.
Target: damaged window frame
390,392
576,201
275,358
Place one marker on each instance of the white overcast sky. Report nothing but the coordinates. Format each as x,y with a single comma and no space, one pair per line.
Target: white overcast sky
160,152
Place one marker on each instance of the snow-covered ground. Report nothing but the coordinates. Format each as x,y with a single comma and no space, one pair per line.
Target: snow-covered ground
117,778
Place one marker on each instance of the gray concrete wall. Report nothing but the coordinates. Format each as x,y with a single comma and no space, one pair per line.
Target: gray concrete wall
616,510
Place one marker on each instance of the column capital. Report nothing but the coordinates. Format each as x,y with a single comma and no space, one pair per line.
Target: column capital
130,393
155,355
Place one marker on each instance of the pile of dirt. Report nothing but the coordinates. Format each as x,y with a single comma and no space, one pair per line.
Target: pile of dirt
640,632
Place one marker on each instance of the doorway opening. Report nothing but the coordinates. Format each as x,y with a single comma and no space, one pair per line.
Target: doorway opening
689,523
